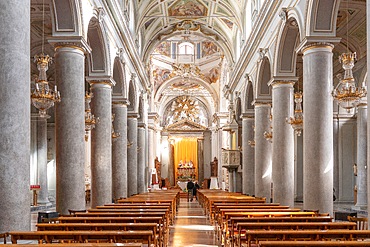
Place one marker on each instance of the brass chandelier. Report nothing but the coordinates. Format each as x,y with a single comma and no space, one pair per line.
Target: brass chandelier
297,121
346,93
90,119
43,97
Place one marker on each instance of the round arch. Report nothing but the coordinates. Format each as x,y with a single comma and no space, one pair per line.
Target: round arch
263,91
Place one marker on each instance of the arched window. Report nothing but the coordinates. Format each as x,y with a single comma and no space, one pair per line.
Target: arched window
186,48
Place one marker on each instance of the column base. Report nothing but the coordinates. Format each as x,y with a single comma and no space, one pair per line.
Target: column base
359,207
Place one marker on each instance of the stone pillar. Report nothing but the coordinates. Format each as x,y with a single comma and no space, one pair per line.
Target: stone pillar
141,158
368,98
263,150
101,143
361,156
70,126
171,165
283,143
318,127
42,161
165,155
119,151
248,155
15,115
132,153
200,160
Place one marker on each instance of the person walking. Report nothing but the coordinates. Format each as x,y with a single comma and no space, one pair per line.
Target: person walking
190,187
196,187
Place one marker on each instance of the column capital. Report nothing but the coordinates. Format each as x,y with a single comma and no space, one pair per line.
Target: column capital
317,45
260,103
74,42
141,125
246,116
97,80
277,81
133,115
362,105
121,103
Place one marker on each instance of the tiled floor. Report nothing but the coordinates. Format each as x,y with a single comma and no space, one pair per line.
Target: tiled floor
191,228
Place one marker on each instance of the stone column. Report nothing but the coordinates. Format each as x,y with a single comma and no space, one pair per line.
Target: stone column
15,115
70,126
361,156
283,143
368,98
318,127
141,158
101,143
132,153
200,160
119,151
248,155
171,165
263,150
42,161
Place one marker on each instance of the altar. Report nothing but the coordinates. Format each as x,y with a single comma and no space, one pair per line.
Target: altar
182,185
185,173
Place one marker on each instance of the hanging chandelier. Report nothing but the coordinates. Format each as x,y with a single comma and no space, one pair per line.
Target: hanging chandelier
297,121
90,119
268,134
114,133
43,97
346,93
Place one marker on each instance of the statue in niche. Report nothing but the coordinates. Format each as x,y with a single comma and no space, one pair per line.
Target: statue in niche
157,166
214,167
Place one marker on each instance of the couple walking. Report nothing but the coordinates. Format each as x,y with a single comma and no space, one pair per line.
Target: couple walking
192,189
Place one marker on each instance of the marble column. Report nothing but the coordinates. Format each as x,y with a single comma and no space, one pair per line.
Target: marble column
318,127
368,99
248,155
101,143
361,156
70,126
283,143
42,161
132,154
200,160
263,151
141,158
15,115
119,151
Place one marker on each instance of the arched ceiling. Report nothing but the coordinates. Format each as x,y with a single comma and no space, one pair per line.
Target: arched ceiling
169,27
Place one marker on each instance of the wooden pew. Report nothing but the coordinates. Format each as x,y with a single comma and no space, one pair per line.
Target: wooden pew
76,245
83,236
253,237
242,227
312,243
235,220
103,227
163,232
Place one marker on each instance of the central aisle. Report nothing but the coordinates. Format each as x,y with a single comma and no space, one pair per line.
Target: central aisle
191,227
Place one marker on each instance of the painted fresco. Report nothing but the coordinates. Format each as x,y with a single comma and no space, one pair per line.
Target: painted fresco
185,85
187,8
228,23
208,48
213,75
163,48
160,76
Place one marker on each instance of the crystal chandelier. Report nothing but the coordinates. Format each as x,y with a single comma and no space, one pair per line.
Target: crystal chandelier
43,97
346,93
114,133
297,121
268,134
90,119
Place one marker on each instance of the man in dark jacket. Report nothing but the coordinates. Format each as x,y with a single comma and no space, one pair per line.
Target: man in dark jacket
190,187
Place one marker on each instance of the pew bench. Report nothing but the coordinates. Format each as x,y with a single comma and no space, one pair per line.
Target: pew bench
243,227
103,227
253,237
83,236
312,243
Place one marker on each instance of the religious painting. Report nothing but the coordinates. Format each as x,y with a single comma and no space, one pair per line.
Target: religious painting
163,48
208,48
185,8
214,75
185,84
160,76
228,23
